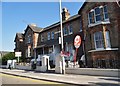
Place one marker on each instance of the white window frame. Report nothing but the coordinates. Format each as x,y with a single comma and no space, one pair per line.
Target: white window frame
95,41
52,35
29,39
29,52
89,17
105,13
96,15
108,46
48,35
70,29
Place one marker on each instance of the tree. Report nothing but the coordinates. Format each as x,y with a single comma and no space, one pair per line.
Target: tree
9,56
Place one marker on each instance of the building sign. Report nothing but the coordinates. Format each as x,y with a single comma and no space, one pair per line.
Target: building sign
18,54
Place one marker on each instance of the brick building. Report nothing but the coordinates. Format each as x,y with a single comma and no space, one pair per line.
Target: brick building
19,44
48,41
26,42
30,40
101,26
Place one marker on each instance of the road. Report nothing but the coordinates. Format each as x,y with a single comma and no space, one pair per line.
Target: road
10,79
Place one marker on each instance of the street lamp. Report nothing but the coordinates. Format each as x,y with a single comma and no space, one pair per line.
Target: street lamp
62,46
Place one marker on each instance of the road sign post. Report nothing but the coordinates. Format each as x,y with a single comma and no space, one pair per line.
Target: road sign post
18,54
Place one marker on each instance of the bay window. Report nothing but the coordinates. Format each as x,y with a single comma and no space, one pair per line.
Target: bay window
99,40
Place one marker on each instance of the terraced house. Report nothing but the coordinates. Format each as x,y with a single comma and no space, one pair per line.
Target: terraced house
98,24
48,41
101,26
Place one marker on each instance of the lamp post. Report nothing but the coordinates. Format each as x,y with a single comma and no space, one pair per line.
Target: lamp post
62,46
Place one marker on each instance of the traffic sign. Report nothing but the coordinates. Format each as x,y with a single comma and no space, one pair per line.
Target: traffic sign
18,54
66,54
77,41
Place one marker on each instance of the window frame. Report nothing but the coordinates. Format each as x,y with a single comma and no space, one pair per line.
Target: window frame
97,14
65,29
105,13
48,36
70,29
90,18
52,35
97,48
42,38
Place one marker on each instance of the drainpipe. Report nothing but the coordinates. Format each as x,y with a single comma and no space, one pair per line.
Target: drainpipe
84,50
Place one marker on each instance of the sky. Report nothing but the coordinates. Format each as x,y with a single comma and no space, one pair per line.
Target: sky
17,15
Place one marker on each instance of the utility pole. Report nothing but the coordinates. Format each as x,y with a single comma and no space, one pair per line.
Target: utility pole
62,46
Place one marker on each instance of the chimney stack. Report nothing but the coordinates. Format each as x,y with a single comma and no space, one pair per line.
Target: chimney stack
65,14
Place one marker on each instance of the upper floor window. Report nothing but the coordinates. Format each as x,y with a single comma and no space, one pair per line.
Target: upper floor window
65,31
48,35
97,14
105,12
42,38
80,25
29,39
70,29
91,17
52,35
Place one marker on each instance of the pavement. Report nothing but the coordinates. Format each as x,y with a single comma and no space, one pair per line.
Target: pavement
80,80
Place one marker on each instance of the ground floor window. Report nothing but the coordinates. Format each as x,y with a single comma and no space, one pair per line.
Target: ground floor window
99,40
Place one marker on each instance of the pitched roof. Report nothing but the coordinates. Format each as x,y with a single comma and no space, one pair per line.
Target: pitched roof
19,35
58,23
35,28
82,6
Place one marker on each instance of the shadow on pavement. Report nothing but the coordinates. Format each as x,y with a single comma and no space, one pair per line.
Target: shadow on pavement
111,79
103,84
